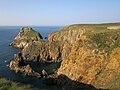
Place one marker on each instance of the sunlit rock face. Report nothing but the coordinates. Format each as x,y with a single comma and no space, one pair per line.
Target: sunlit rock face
93,57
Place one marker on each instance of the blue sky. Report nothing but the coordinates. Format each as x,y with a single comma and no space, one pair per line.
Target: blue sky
58,12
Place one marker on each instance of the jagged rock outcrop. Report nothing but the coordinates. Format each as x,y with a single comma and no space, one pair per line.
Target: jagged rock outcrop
25,36
58,45
34,48
35,51
42,51
18,65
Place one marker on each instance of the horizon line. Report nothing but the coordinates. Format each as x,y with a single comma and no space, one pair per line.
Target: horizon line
67,24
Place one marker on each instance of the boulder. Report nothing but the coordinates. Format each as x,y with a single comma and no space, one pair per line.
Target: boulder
44,74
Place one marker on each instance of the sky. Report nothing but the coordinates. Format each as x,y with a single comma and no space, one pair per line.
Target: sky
58,12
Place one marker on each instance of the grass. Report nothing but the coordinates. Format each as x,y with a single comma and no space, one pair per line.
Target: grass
107,40
9,85
32,33
110,85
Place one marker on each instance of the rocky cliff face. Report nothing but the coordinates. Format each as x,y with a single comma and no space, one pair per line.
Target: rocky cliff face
58,45
89,53
34,49
42,51
25,36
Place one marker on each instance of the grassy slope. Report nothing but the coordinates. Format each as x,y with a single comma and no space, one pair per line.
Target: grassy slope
89,29
32,33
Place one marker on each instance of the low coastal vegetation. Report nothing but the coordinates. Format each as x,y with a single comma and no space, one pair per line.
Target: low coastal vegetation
10,85
88,55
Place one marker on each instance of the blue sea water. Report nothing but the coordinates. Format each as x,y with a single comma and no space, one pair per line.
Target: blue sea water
7,34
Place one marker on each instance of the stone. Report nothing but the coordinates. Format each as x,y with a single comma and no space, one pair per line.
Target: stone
44,73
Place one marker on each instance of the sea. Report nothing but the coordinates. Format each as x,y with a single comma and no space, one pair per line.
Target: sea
7,34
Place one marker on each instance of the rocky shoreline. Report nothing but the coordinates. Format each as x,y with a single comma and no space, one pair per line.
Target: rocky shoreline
88,56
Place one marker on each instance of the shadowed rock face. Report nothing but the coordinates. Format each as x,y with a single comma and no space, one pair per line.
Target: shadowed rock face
18,65
68,84
25,36
89,53
42,51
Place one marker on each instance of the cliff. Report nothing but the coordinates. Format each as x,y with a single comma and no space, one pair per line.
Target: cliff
92,55
89,53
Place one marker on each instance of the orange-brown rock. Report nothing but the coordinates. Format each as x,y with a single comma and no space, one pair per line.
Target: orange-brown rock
93,58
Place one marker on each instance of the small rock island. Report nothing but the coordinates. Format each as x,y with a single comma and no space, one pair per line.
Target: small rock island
82,56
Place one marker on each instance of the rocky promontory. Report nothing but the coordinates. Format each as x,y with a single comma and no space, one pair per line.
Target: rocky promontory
88,53
25,36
